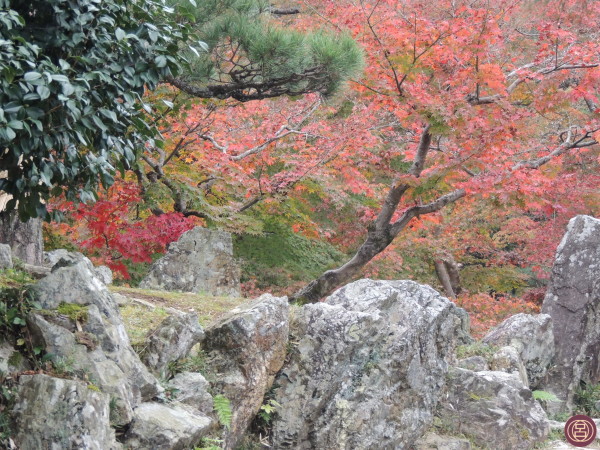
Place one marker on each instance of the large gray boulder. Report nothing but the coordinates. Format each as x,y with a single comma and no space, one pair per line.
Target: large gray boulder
245,350
171,340
166,427
573,300
200,261
54,413
533,337
367,367
98,344
494,409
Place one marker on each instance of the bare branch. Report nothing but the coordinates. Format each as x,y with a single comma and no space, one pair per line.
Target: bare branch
283,11
416,211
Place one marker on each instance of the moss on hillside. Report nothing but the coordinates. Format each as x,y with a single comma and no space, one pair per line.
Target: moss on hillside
279,257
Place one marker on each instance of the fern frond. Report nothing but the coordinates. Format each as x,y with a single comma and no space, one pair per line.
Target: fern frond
222,407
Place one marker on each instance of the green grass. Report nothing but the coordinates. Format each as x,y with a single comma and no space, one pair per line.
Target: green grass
476,349
140,319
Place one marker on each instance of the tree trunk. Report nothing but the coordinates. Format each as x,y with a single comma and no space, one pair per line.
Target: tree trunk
375,243
382,230
447,271
442,274
24,238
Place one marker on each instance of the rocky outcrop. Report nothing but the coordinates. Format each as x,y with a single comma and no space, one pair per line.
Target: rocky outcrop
245,351
507,359
54,413
5,257
573,302
532,336
475,363
62,257
200,261
166,427
172,340
104,274
97,342
494,409
191,388
11,360
367,367
441,442
24,238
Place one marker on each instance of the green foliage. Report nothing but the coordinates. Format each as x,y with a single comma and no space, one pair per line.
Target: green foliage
13,278
15,305
587,399
279,255
477,348
222,407
75,312
544,396
268,410
280,61
8,391
73,73
506,279
208,443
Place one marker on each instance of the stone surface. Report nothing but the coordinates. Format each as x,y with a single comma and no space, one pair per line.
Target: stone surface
475,363
440,442
367,367
104,274
192,389
200,261
573,302
245,351
494,409
54,413
24,238
5,257
11,360
101,347
507,359
166,427
171,340
52,257
532,336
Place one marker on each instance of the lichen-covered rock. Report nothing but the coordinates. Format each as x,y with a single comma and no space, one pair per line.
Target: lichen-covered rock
573,301
441,442
533,337
101,347
200,261
11,360
166,427
367,367
104,274
6,261
475,363
192,389
245,351
54,413
494,409
52,257
171,340
507,359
